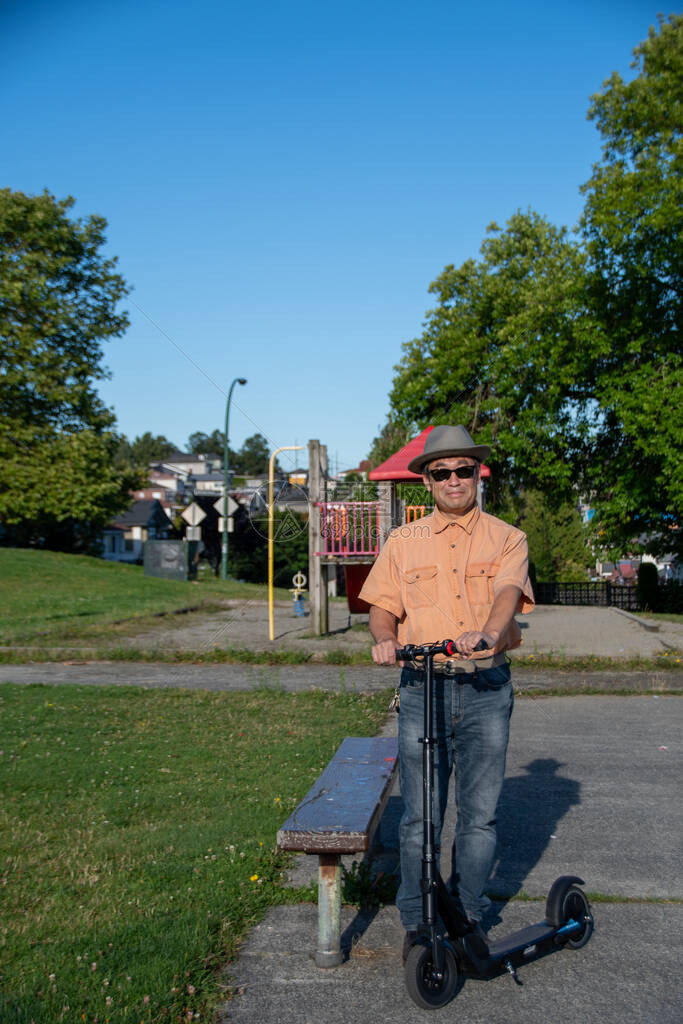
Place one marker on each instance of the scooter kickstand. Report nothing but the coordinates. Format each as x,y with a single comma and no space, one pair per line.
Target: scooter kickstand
512,972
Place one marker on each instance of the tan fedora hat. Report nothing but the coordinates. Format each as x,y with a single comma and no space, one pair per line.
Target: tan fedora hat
446,443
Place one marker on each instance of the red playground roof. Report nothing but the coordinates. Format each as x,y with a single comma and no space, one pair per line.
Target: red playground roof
396,466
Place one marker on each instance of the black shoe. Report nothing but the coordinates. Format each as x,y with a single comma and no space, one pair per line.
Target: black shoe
409,941
476,947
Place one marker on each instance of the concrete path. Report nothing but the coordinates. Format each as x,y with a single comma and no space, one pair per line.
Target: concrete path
296,678
570,631
593,788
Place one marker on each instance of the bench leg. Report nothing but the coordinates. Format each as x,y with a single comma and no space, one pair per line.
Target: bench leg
329,952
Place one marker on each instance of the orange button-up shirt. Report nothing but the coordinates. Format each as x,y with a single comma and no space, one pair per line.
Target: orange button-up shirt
440,575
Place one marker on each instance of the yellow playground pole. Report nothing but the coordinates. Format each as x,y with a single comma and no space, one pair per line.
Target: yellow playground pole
271,474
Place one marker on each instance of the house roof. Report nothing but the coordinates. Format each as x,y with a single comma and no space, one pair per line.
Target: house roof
140,513
396,466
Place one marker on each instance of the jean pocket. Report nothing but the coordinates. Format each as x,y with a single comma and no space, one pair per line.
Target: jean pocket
492,678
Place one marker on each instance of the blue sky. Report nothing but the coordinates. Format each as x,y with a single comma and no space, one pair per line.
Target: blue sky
283,180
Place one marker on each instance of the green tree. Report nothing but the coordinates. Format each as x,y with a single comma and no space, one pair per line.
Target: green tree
200,443
502,352
392,437
253,457
633,228
249,547
58,299
250,460
144,449
558,544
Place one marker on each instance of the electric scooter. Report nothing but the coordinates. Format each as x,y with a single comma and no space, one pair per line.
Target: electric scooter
448,943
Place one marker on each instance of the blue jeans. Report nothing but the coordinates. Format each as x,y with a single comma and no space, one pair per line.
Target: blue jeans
471,725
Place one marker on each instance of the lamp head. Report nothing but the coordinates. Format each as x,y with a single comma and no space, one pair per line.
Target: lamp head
241,380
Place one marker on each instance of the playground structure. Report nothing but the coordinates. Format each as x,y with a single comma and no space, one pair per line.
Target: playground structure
351,533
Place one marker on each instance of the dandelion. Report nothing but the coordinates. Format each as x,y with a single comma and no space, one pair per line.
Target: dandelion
254,878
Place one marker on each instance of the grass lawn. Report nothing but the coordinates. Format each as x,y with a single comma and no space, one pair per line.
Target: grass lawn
47,596
663,616
138,839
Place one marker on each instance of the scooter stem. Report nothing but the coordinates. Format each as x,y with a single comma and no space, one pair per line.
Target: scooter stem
429,866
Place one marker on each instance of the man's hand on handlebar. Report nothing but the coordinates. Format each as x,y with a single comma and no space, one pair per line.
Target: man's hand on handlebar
467,643
384,652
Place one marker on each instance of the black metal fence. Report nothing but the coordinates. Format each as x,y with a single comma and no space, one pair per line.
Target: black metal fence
604,594
668,597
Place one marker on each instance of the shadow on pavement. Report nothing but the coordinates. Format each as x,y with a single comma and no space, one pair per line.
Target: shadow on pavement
530,808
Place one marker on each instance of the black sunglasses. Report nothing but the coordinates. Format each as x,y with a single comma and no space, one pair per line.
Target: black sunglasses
462,472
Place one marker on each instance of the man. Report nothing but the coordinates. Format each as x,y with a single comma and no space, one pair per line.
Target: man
457,573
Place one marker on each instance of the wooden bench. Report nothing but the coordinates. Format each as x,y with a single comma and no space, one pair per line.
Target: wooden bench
339,815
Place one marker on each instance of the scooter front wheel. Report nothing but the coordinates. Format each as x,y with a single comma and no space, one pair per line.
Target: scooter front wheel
426,989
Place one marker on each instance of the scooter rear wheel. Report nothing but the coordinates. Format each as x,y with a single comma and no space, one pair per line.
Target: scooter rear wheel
427,991
576,907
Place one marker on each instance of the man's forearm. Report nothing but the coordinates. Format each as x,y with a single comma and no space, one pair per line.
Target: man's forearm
500,617
382,624
383,629
503,610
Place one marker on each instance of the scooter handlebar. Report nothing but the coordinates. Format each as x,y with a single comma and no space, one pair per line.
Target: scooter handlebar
411,651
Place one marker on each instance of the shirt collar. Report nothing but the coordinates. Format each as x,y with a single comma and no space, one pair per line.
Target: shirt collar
466,522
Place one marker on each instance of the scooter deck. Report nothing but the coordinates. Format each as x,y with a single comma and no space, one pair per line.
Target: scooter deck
532,935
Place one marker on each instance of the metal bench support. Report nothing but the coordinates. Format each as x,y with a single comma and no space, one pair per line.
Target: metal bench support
329,952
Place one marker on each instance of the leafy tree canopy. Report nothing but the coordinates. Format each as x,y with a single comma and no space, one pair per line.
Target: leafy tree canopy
200,443
558,542
143,450
633,227
566,356
250,460
253,457
58,299
392,437
502,353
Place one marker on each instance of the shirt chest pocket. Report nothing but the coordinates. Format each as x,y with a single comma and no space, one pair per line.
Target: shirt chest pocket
479,577
420,586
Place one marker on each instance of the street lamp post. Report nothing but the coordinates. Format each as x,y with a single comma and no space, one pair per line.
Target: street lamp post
224,559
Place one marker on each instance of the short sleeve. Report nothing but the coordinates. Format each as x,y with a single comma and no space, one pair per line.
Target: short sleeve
514,570
383,586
